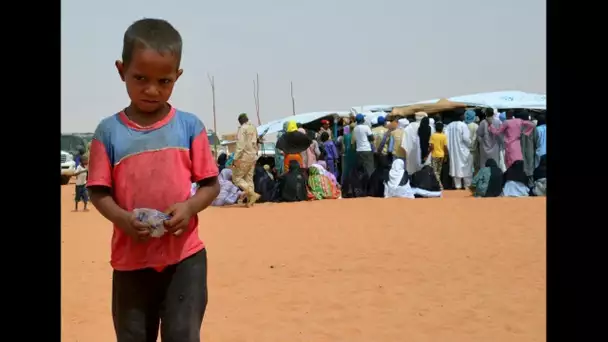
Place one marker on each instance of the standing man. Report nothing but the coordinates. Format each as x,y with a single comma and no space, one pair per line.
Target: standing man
489,143
411,145
363,143
245,157
325,128
381,134
459,150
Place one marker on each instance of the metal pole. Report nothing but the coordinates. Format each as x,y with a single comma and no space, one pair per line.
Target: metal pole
256,94
212,82
293,101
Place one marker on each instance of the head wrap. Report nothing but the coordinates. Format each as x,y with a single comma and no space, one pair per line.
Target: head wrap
469,116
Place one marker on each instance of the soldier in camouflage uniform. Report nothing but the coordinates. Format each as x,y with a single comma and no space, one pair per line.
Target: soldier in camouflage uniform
245,156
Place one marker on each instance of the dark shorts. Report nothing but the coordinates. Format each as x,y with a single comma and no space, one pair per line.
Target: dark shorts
81,194
175,298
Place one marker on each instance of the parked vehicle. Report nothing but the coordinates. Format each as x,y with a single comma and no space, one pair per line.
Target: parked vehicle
68,167
70,145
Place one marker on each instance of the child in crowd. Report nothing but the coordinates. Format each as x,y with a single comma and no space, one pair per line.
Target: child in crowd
331,154
439,150
81,183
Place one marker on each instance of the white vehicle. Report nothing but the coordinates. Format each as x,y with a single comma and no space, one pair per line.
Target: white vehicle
68,167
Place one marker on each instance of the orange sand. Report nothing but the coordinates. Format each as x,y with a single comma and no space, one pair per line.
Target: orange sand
451,269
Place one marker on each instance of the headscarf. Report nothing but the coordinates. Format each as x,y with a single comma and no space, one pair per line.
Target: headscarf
360,118
502,116
292,126
402,123
398,181
381,120
424,133
469,116
397,176
225,176
228,191
516,173
495,183
541,171
294,166
267,169
420,115
221,160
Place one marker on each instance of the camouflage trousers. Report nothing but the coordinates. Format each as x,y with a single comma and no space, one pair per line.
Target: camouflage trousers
242,176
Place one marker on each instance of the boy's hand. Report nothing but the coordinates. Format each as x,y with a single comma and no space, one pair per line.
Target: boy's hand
133,227
180,217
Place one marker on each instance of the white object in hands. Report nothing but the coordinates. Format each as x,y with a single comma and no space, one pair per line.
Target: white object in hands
155,220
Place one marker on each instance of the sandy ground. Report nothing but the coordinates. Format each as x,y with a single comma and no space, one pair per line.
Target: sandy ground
451,269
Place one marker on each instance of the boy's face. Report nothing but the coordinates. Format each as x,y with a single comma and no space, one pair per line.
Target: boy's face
150,78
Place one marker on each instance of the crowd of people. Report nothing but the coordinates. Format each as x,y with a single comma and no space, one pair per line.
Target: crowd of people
488,153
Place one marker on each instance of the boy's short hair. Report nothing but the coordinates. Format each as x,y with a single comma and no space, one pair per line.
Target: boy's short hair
324,136
439,127
156,34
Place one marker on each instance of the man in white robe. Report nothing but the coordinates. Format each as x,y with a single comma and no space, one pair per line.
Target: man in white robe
411,145
461,160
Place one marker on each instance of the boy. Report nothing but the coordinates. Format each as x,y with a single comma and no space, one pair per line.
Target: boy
81,183
439,150
147,156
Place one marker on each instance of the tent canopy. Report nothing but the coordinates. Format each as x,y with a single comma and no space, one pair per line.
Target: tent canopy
429,108
277,125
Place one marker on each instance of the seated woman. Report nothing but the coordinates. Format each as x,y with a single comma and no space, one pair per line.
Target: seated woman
398,184
488,181
221,161
375,186
264,183
355,183
292,185
540,178
515,180
320,185
424,183
229,193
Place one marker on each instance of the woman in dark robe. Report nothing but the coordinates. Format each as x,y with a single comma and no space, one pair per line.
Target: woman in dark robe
424,134
425,179
516,181
379,176
356,183
292,185
264,185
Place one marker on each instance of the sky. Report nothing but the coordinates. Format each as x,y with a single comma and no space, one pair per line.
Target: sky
337,53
